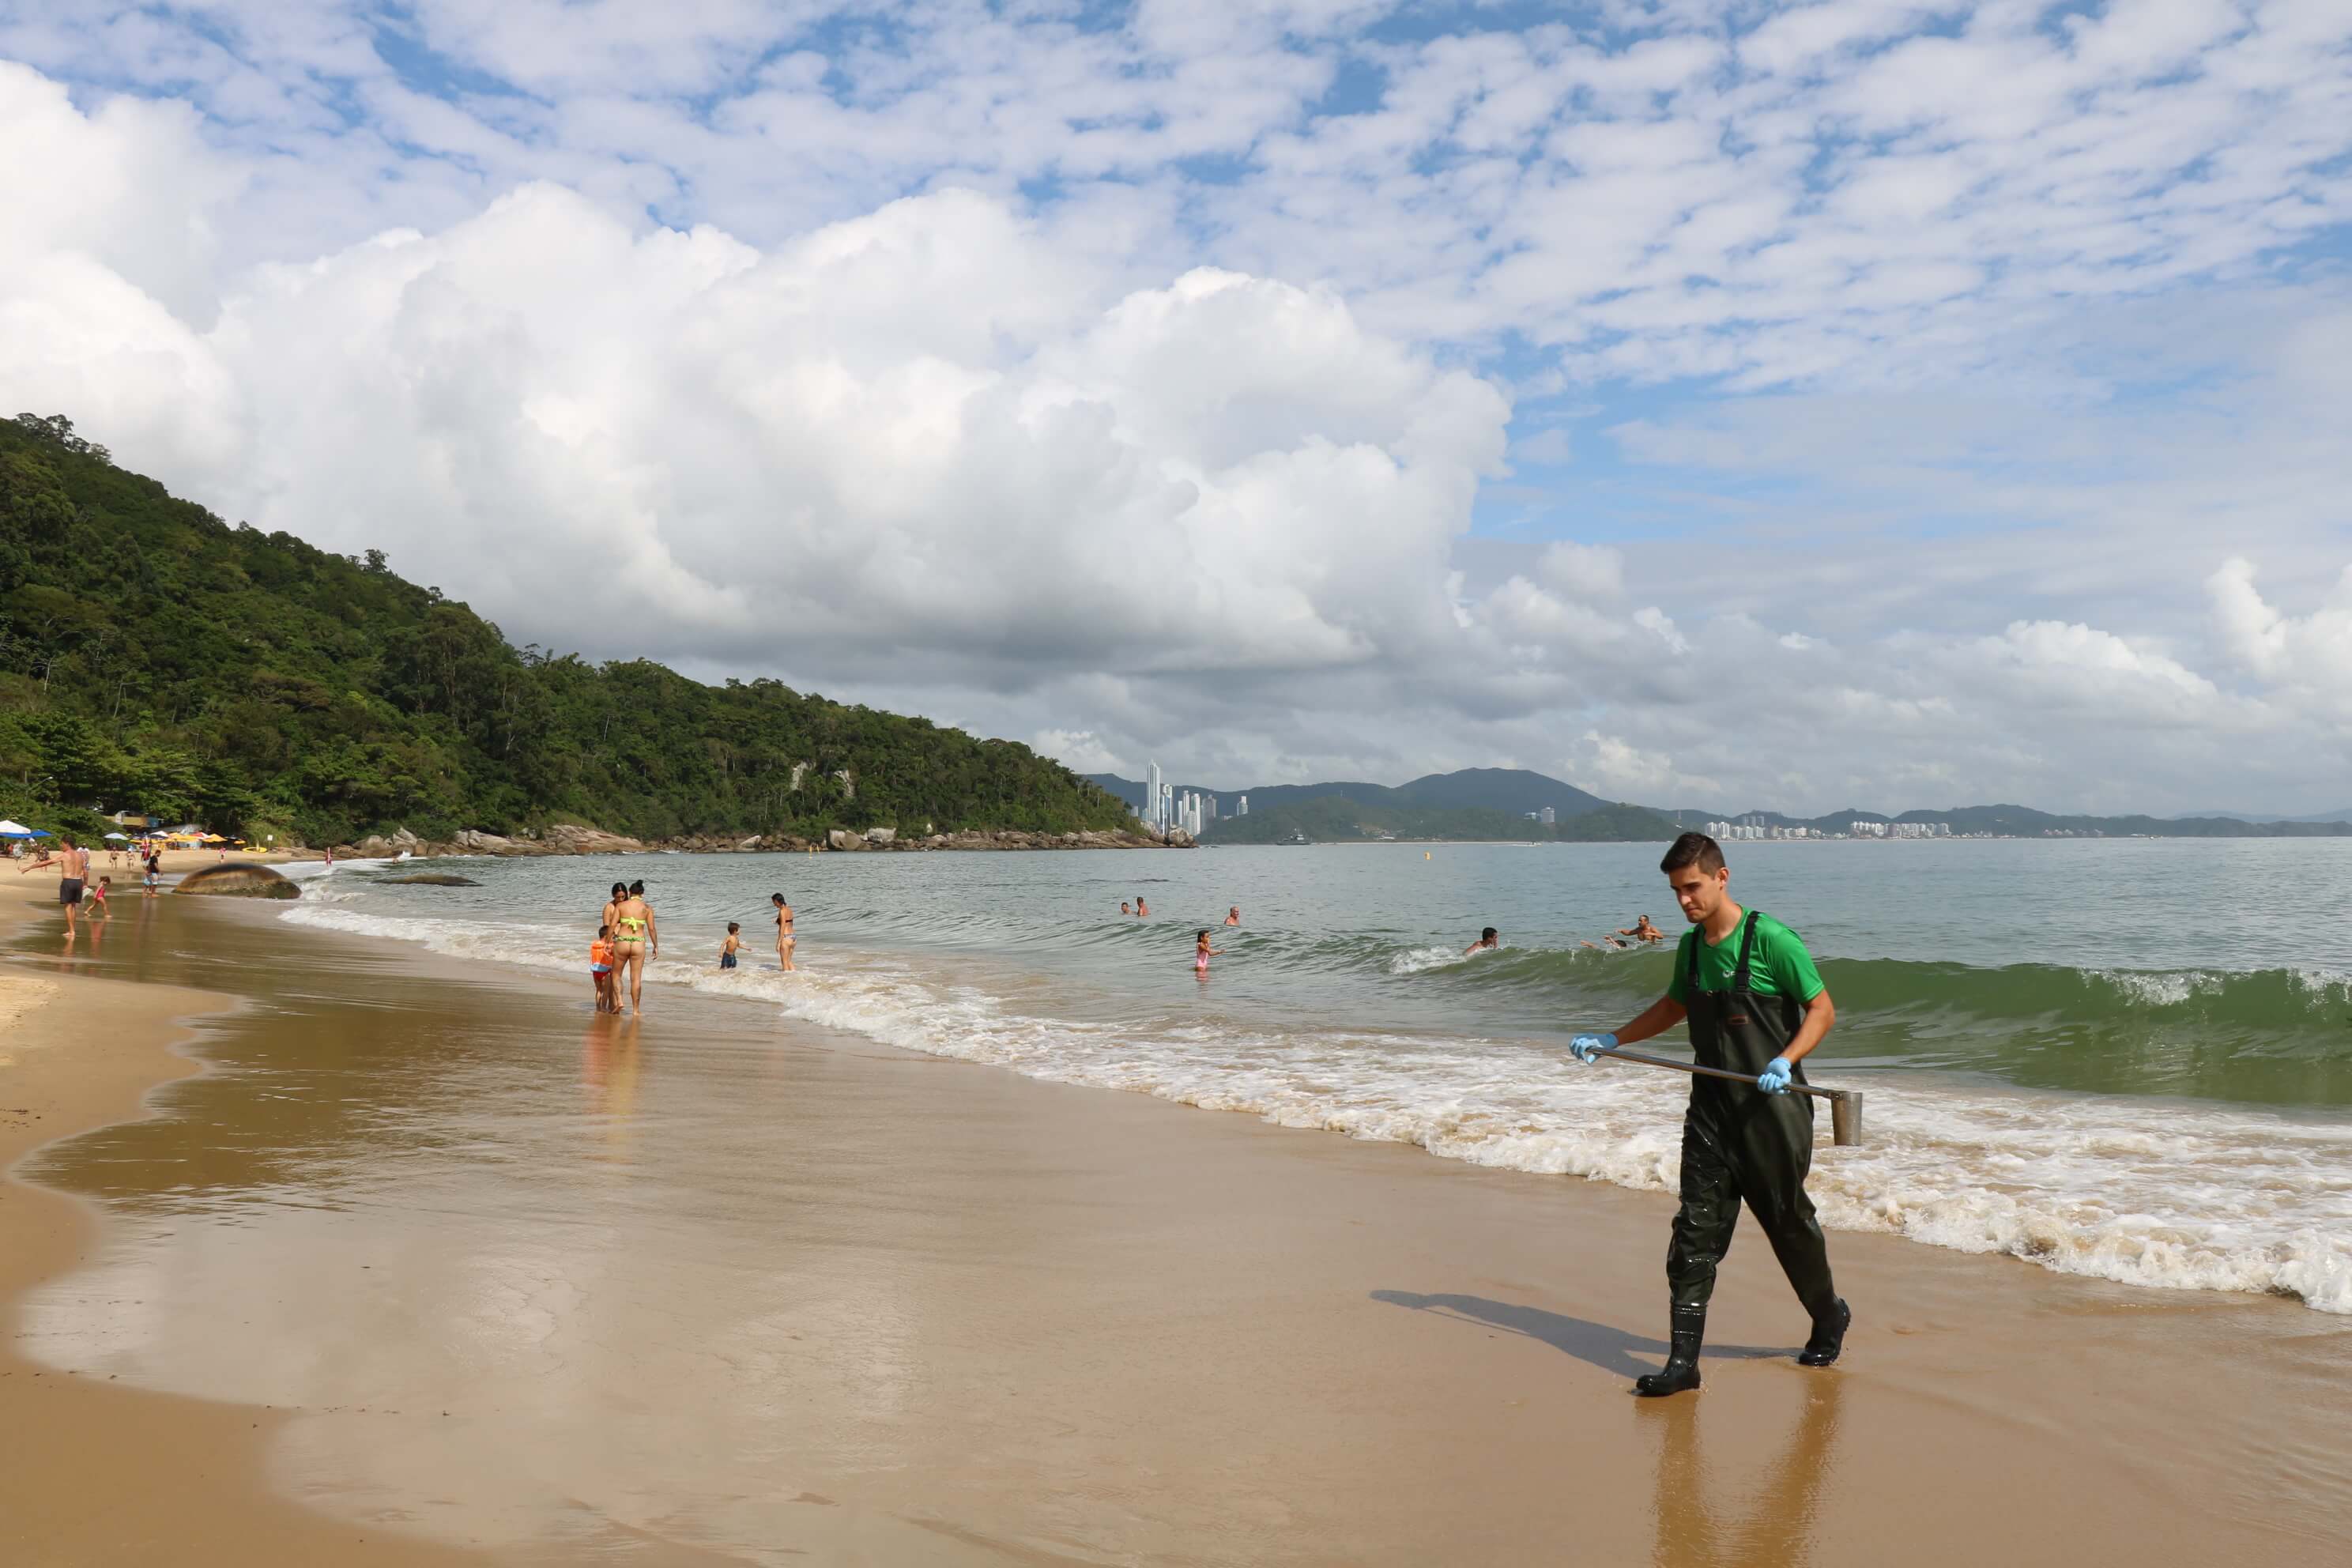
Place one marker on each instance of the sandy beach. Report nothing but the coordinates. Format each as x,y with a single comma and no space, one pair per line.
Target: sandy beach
999,1320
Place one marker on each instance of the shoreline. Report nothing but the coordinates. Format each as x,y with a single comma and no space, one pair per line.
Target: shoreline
1256,1345
80,1054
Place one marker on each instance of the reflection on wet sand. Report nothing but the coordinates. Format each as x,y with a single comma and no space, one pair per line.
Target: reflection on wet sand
1718,1507
608,1071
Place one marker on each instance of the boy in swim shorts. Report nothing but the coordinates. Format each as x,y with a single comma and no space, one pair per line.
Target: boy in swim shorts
727,949
600,970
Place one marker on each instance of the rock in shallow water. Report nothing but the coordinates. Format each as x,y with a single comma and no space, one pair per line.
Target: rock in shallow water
239,879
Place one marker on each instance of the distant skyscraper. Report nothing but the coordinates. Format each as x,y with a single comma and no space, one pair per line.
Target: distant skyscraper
1152,795
1244,809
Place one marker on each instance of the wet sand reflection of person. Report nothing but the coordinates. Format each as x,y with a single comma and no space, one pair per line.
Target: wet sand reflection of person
608,1071
1767,1509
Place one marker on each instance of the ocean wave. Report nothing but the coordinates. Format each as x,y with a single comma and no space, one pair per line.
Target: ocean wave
2144,1192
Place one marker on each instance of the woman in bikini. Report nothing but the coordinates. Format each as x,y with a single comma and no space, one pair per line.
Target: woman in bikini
785,941
634,939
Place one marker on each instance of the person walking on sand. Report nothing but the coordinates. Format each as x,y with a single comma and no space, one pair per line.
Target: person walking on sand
72,862
1203,953
636,938
1756,1004
785,941
600,970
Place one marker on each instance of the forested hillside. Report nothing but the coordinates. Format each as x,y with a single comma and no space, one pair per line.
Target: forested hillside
157,658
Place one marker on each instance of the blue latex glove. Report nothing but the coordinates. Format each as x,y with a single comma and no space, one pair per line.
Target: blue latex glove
1774,1079
1586,1047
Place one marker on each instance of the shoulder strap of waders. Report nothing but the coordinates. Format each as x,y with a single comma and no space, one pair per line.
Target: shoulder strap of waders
1747,942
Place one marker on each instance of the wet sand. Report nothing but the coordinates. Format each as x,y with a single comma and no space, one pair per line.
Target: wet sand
92,1470
704,1289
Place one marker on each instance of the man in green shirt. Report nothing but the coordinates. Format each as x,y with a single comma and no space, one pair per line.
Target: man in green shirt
1756,1006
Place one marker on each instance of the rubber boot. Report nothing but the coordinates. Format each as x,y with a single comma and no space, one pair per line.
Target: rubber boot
1681,1371
1829,1336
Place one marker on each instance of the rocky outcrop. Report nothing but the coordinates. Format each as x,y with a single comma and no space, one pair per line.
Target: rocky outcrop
574,838
240,879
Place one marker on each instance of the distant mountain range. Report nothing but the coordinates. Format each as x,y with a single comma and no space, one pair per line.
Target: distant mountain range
1493,804
2341,814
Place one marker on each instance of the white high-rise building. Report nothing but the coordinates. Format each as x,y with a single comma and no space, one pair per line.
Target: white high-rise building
1243,810
1152,795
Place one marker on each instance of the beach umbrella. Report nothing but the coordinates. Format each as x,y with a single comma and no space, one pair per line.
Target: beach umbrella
118,836
9,829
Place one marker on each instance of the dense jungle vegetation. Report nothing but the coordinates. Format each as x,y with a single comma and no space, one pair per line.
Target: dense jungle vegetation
154,657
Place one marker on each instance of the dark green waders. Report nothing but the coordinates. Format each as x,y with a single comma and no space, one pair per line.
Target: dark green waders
1739,1144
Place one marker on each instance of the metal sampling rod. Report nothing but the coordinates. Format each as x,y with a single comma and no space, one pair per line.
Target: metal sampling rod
1845,1104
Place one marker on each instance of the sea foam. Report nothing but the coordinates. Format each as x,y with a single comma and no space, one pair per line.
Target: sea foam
2166,1193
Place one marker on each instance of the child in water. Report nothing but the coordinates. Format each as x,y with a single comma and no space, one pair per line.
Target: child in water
97,895
727,949
600,970
1203,953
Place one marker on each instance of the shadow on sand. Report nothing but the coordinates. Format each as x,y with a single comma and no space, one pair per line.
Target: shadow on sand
1595,1344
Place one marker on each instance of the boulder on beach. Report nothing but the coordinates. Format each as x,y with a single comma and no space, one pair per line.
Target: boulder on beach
240,879
576,838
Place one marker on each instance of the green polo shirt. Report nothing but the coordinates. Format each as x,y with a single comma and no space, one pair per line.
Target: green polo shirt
1778,965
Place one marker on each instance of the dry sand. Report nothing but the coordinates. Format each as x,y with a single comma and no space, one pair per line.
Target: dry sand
1143,1333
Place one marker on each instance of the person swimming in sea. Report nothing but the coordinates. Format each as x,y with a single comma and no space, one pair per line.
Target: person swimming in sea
1203,953
1643,931
734,940
1234,916
1142,910
1488,940
1125,908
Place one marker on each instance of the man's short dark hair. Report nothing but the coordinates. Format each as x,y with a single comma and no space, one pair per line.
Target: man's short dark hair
1693,849
1487,935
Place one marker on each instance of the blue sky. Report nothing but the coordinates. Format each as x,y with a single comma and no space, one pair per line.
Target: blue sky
1328,388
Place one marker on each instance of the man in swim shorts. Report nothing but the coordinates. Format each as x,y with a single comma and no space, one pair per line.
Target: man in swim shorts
1487,940
1755,1004
73,875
